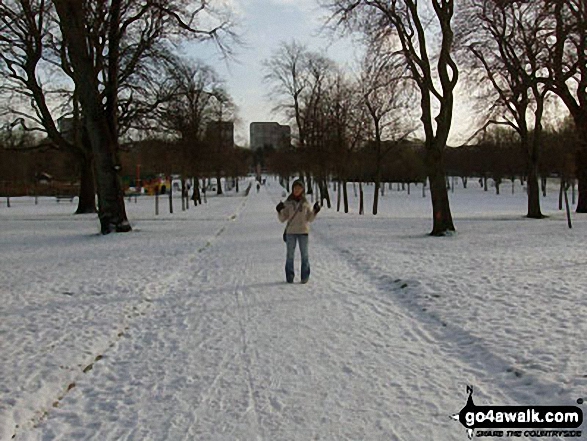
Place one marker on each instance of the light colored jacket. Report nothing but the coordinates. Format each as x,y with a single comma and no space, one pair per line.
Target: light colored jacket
301,214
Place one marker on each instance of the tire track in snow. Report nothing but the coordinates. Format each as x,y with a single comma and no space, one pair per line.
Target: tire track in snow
242,354
240,351
152,291
455,341
384,335
247,354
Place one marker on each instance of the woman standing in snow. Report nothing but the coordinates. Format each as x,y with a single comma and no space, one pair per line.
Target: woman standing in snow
298,213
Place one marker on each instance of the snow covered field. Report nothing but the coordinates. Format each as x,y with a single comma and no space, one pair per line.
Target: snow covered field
185,328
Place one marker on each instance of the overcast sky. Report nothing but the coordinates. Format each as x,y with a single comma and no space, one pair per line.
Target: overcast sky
263,25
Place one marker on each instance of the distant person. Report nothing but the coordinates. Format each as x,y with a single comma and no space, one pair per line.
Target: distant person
258,187
298,213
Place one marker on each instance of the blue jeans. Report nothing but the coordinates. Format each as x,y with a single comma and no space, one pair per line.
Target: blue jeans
289,262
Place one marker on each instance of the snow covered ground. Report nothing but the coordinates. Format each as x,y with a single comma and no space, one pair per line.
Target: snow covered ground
185,330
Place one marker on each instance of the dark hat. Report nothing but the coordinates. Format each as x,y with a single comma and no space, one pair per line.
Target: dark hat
298,182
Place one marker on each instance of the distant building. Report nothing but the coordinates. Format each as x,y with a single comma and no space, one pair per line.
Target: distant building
269,134
220,133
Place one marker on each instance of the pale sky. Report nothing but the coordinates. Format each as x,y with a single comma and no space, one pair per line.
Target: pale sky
263,25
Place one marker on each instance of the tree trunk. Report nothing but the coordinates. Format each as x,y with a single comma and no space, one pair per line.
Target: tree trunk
157,202
568,210
87,188
218,181
324,194
204,192
111,210
377,184
197,196
533,194
188,185
442,217
170,195
361,205
345,197
338,197
183,194
543,186
464,179
581,172
560,194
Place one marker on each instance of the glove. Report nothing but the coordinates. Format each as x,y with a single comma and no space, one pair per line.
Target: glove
317,207
279,206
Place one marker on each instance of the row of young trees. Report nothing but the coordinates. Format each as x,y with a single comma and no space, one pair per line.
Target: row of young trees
103,65
514,55
498,156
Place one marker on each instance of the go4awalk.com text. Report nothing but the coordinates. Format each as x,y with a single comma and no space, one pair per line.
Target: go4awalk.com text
520,421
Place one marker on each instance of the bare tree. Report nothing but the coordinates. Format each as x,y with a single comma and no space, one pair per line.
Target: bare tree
505,41
301,80
286,71
322,75
407,22
26,29
346,122
220,146
386,96
190,87
567,65
185,109
121,31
